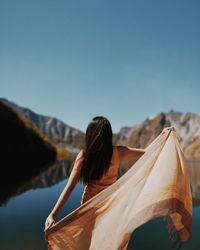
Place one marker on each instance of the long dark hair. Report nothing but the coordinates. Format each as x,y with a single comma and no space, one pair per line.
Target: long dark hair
97,149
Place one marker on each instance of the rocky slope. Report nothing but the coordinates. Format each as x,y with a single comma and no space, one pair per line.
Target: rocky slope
60,133
187,126
25,152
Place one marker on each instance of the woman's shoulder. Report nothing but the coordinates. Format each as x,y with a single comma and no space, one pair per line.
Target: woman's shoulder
120,148
117,149
121,151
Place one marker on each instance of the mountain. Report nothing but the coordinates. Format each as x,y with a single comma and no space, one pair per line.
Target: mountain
57,131
187,126
33,139
25,152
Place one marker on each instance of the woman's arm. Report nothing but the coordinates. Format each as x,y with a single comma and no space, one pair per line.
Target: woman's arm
128,153
72,181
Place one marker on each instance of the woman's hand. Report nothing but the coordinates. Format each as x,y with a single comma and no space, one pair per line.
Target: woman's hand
49,222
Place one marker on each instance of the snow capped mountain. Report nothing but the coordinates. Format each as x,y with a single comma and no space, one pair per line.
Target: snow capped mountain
187,126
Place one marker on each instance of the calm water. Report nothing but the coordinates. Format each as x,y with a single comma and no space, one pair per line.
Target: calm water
22,219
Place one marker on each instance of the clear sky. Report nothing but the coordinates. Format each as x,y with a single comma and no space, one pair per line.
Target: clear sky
126,60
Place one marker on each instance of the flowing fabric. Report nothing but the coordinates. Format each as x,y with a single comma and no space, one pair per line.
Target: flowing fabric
156,185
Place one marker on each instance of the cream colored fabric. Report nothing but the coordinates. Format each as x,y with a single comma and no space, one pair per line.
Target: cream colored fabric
156,185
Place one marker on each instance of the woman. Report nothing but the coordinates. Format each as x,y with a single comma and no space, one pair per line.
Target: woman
96,165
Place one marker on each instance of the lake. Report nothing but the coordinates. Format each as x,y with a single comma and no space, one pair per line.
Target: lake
22,218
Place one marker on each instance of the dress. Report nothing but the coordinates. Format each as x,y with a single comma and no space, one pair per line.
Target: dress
91,189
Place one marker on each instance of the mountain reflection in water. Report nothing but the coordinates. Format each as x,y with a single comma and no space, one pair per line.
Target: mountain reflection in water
25,214
194,171
61,170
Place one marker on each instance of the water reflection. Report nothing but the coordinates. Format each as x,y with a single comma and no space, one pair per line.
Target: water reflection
26,213
56,173
194,171
61,170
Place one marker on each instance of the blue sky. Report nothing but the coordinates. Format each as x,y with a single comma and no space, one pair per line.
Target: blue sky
126,60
